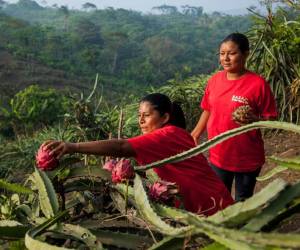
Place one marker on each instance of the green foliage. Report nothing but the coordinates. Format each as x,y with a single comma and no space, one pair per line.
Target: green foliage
236,227
188,93
14,187
33,108
276,55
47,195
127,47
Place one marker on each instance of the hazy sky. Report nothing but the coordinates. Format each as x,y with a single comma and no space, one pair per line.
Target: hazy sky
146,5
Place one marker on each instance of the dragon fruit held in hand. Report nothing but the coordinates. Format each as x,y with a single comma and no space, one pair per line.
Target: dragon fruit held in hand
162,190
109,165
122,171
45,161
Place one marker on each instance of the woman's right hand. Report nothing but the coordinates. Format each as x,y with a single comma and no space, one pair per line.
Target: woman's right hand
58,148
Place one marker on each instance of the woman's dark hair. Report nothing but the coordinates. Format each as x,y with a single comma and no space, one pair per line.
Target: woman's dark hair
240,40
163,105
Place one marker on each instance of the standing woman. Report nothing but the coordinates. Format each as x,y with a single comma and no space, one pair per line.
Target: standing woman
238,91
162,125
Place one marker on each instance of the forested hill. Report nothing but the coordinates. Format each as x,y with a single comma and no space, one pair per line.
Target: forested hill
127,48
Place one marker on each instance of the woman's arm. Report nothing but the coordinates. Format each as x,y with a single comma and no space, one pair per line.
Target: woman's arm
114,147
201,125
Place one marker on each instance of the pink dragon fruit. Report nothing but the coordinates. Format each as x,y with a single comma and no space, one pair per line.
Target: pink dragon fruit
109,165
45,161
162,191
122,171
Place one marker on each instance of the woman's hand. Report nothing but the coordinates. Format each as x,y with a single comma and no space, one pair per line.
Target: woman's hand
58,148
195,137
244,115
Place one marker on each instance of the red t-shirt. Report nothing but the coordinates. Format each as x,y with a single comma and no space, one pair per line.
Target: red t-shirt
201,189
244,152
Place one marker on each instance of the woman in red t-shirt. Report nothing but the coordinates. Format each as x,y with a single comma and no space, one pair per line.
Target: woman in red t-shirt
163,135
236,90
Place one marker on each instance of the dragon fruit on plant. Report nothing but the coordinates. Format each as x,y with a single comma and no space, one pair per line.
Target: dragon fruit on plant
122,171
44,160
109,165
163,191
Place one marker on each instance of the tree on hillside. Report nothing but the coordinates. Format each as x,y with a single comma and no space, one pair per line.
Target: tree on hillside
192,10
65,11
87,32
166,9
162,52
115,41
89,6
2,3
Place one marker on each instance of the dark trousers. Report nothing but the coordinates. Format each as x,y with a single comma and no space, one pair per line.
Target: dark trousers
244,182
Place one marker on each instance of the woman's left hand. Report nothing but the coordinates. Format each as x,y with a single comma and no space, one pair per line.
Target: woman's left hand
58,148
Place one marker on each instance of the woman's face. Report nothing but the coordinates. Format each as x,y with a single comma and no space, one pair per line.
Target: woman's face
231,58
150,119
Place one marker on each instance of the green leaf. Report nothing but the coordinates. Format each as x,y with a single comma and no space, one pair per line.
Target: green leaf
47,195
14,187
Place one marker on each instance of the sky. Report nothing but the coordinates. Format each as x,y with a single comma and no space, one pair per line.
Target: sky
146,5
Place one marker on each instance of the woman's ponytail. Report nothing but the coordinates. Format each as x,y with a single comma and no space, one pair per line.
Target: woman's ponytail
177,116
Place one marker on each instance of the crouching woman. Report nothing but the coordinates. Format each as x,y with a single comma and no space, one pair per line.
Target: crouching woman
162,125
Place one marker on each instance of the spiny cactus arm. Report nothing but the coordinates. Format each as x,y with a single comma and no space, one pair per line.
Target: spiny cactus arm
222,137
215,246
12,230
174,213
145,209
170,242
89,171
248,240
122,240
283,164
152,176
47,195
14,187
241,212
83,235
32,244
274,209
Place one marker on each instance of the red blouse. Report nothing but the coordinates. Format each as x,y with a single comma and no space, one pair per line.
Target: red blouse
201,189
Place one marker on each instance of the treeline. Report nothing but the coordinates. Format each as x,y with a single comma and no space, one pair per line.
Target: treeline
125,47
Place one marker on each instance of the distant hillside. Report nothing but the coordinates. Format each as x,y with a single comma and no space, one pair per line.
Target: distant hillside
15,75
128,49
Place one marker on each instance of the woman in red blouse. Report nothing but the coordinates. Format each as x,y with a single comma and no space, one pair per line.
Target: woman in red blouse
162,125
229,91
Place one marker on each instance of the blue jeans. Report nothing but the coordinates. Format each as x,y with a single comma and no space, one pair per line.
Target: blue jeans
244,181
